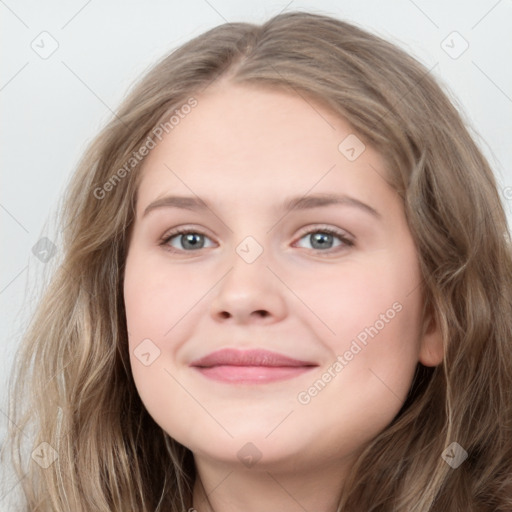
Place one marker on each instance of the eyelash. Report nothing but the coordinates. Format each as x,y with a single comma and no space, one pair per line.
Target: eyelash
324,230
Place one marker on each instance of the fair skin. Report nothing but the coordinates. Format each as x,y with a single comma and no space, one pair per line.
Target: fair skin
244,150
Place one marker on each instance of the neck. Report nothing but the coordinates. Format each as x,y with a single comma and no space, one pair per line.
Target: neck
226,487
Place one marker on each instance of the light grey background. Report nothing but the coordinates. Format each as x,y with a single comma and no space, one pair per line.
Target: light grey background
53,105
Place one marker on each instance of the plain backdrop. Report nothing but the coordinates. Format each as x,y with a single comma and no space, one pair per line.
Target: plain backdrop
66,66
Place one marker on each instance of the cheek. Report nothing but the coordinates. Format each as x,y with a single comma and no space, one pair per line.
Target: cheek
374,302
374,353
156,304
374,314
163,304
157,296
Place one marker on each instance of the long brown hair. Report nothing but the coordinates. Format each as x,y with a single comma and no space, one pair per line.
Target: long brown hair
72,377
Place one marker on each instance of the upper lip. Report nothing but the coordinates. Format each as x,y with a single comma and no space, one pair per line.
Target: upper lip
255,357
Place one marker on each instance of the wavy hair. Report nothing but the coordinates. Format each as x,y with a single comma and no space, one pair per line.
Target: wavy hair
72,377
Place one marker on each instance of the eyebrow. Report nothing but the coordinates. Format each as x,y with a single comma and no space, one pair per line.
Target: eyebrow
297,203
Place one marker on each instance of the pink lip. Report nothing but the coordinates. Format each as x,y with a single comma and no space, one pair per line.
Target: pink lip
250,366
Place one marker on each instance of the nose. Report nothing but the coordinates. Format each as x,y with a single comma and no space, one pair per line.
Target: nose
249,293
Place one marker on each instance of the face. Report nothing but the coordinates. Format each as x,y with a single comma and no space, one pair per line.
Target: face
332,286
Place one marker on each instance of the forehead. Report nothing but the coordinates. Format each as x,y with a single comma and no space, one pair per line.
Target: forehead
250,146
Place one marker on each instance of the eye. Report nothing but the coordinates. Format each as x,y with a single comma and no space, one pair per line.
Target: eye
322,238
187,238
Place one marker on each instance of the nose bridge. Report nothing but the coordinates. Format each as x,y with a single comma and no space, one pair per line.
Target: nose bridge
250,238
248,268
250,250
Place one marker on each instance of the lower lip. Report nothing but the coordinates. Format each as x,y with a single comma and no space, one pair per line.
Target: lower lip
252,374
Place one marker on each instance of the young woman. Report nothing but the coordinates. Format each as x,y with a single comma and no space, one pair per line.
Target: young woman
286,284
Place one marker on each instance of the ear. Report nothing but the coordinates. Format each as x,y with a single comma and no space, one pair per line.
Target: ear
431,349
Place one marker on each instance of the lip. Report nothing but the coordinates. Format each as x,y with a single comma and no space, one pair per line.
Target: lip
250,366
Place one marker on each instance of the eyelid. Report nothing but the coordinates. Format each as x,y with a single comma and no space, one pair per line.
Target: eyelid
184,229
343,233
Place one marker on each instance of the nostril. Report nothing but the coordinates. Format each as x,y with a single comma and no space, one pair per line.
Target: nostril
259,312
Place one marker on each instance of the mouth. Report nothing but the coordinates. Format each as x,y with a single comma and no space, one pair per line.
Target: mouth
250,366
